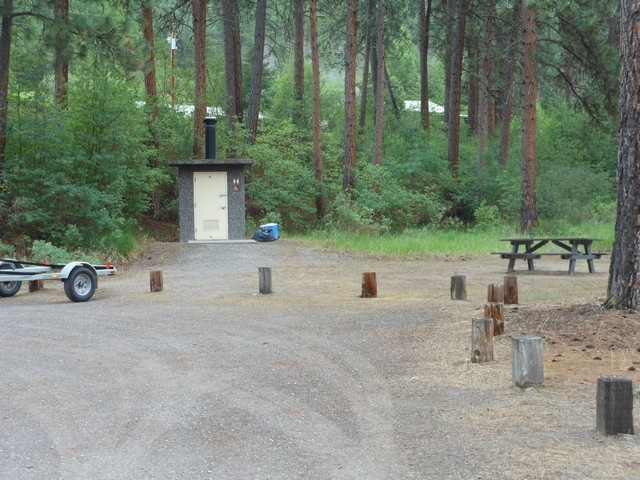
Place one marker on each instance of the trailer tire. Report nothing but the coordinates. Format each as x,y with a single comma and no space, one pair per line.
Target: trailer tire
9,289
80,284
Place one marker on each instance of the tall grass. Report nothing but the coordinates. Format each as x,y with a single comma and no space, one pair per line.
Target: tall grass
454,242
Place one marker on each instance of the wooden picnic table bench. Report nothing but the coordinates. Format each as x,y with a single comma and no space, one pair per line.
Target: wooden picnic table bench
573,248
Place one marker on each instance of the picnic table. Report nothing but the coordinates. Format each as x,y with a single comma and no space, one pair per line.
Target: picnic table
573,248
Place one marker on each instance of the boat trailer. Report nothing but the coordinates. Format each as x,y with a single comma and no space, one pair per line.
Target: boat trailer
80,278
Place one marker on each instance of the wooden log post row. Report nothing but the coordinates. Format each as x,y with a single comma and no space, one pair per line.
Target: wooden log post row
458,287
481,340
156,282
264,280
510,290
614,405
495,311
526,361
369,285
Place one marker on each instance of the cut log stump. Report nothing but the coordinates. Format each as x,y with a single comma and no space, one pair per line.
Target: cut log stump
458,287
495,293
495,310
481,340
614,405
264,280
510,290
369,285
156,282
526,361
35,285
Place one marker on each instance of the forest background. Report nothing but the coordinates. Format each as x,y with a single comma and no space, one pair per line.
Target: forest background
93,100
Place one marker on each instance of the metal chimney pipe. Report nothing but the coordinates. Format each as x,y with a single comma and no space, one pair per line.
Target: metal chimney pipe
210,138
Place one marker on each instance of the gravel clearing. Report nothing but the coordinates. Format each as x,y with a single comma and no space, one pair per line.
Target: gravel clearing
211,380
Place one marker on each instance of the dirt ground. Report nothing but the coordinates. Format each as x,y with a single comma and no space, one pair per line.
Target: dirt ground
211,380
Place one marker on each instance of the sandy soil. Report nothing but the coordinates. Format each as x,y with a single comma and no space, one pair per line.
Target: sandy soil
211,380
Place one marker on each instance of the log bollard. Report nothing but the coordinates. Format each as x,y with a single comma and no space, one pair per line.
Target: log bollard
510,290
155,281
495,310
526,361
481,340
264,275
458,287
35,285
614,405
369,285
495,293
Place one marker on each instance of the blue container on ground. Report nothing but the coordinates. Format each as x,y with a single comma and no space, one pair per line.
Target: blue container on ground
272,226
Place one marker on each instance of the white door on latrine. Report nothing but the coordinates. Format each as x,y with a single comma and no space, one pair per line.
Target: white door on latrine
210,206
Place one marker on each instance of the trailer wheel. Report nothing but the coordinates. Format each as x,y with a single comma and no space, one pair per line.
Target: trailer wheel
80,285
9,289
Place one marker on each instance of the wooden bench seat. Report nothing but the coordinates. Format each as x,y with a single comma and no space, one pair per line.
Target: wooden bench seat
521,255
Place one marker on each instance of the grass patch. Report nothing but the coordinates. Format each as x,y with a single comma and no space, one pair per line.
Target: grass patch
454,242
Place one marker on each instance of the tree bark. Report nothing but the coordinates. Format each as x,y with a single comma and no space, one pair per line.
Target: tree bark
378,136
199,100
484,116
624,273
462,7
317,153
61,14
351,47
450,13
365,69
5,54
507,102
529,96
298,60
392,97
256,71
237,63
150,88
228,21
424,23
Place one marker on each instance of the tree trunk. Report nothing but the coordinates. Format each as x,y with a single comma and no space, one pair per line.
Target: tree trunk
424,23
365,69
529,87
462,6
5,52
61,14
237,63
472,83
509,74
448,53
624,286
298,61
377,142
229,21
350,63
392,97
199,100
484,116
150,88
315,63
256,71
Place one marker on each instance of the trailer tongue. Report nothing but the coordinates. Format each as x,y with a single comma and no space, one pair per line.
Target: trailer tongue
80,278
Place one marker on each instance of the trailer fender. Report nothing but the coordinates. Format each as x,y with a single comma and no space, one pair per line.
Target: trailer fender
68,268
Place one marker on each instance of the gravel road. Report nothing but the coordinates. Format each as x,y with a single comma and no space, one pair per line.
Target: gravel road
211,380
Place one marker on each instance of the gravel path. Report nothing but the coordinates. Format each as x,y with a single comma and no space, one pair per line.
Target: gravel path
211,380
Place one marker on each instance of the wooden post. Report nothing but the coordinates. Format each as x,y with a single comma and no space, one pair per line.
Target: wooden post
35,285
510,290
369,285
526,361
481,340
495,293
614,402
264,274
495,310
458,287
155,281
